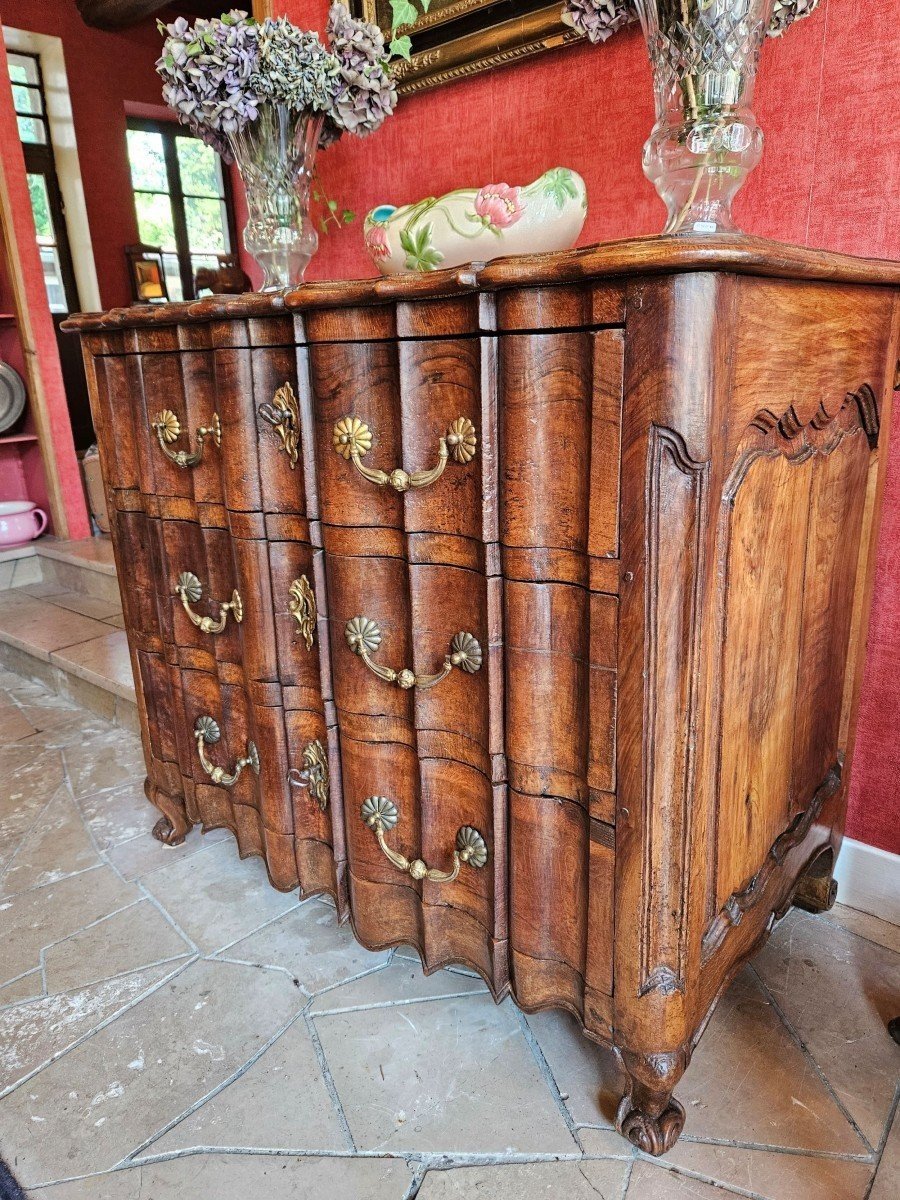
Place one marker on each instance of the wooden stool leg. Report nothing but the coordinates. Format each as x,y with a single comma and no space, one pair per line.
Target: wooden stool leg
816,889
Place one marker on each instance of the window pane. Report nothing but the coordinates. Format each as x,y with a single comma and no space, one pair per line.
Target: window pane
31,129
206,224
56,292
27,99
148,164
200,166
173,276
23,68
40,206
155,224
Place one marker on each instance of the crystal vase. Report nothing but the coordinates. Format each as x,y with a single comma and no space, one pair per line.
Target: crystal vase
704,55
275,155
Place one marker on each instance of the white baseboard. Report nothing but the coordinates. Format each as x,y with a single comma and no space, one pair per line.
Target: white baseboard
869,879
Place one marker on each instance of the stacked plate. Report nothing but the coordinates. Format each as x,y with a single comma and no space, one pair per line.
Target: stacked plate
12,397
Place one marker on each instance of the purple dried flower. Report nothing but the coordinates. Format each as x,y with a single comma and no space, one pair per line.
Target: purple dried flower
598,19
367,94
294,68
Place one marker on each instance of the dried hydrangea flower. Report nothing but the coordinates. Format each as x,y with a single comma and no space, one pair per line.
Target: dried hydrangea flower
294,68
785,12
367,94
598,19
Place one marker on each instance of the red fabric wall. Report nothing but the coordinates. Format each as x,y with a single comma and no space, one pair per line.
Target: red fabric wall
830,177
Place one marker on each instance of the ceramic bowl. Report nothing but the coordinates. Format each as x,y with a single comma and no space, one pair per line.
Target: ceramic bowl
20,522
478,224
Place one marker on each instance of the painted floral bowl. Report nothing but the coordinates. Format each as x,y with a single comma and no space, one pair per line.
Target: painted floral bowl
477,224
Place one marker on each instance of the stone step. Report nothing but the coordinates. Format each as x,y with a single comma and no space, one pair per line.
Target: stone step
65,628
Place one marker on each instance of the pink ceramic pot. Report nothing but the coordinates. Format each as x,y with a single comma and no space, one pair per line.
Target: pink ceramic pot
20,521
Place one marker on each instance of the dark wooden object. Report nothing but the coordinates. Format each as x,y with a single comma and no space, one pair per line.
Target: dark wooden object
663,545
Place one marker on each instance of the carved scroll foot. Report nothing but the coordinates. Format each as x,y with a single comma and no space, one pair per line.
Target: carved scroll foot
173,826
816,890
649,1116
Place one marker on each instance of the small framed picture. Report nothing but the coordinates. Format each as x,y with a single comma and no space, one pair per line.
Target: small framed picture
148,280
456,38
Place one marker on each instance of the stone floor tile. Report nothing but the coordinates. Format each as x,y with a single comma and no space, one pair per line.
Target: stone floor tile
586,1074
88,606
216,897
105,660
45,588
118,814
530,1181
749,1081
56,717
104,760
887,1177
439,1076
649,1182
116,619
281,1102
309,944
24,793
232,1176
140,856
90,1108
135,937
26,987
57,845
40,627
14,725
605,1143
32,920
839,991
774,1176
882,933
35,1031
402,981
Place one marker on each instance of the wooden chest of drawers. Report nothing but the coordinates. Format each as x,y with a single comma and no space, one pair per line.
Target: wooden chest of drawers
520,608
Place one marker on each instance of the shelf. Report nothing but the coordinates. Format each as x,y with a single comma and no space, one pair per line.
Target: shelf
12,438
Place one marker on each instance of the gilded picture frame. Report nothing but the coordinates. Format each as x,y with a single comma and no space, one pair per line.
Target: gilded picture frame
457,38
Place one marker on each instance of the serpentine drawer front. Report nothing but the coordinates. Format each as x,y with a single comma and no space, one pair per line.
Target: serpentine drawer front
521,608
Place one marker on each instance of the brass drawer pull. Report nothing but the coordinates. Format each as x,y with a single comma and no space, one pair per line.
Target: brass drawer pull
206,732
381,814
314,774
283,414
353,439
364,637
168,429
190,589
302,606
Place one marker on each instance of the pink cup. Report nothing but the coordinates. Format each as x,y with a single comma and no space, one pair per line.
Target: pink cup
20,522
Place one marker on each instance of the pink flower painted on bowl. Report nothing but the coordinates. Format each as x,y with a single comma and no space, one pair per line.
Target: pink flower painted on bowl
499,205
377,241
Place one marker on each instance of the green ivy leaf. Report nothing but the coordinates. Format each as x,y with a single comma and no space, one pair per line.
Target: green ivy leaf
332,205
348,216
402,13
401,47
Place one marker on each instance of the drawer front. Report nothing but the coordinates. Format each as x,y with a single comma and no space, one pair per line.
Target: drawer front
205,431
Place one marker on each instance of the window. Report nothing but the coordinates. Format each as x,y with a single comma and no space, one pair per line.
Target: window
182,201
43,187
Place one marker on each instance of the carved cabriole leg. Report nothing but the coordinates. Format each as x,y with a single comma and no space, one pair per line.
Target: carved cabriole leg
649,1116
172,828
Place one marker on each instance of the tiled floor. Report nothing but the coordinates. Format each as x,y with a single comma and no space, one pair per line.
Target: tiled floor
170,1026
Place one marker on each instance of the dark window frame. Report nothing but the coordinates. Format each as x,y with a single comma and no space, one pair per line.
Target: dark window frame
169,130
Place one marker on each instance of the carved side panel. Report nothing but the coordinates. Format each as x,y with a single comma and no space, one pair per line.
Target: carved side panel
677,487
789,556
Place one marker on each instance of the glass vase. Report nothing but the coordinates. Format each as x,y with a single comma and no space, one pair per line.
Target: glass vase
704,55
275,155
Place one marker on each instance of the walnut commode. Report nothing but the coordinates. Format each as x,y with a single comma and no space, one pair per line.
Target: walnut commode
521,608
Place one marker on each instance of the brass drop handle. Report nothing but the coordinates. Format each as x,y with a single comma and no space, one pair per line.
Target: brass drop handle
314,774
190,589
381,814
168,429
206,733
364,637
353,439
